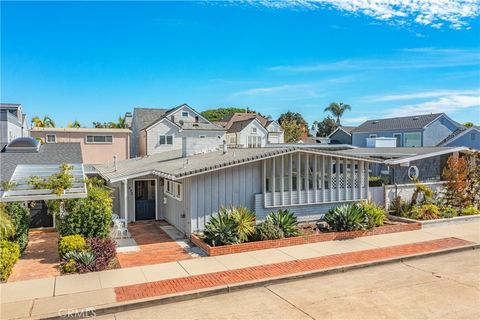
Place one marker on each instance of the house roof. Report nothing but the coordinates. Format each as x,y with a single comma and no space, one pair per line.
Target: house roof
399,123
346,129
145,116
230,120
456,134
50,153
238,126
83,130
171,165
9,105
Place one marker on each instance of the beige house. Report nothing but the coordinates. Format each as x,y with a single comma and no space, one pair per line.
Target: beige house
99,145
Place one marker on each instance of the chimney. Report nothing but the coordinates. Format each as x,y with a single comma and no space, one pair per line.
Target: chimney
225,149
128,119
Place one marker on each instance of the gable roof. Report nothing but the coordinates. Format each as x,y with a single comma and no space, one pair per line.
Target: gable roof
171,165
230,120
346,129
145,116
399,123
238,126
457,134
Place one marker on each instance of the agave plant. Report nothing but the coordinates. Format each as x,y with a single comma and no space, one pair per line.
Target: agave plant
221,229
245,221
286,221
85,258
347,217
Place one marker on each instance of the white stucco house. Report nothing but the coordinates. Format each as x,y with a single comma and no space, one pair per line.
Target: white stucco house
13,123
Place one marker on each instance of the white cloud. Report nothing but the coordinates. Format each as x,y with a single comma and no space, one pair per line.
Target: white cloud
421,95
434,13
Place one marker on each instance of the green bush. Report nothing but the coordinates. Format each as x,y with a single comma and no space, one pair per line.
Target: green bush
267,230
89,217
245,220
425,212
469,210
7,230
71,243
376,214
448,212
9,254
286,221
400,207
20,217
68,266
221,229
347,217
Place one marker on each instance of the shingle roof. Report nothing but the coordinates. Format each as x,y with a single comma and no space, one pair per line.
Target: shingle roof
238,126
230,120
53,153
456,133
393,152
399,123
84,130
145,116
172,166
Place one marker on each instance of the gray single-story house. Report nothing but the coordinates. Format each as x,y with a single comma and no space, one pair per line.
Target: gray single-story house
187,190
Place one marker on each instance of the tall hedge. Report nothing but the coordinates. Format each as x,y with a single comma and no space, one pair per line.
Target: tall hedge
20,218
89,217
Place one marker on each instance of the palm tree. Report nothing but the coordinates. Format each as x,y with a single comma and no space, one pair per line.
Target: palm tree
121,122
75,124
337,110
46,122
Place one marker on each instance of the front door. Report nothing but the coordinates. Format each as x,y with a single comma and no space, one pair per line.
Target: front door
145,203
40,217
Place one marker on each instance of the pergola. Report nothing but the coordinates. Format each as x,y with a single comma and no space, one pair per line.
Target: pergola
23,191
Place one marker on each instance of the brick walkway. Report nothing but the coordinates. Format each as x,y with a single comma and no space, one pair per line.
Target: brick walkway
215,279
155,246
40,259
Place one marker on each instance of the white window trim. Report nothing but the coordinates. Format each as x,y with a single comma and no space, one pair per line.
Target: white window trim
166,140
98,135
55,138
254,130
175,193
186,113
405,138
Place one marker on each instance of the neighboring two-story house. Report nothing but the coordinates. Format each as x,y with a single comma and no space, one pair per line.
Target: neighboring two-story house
13,123
181,128
412,131
251,130
99,145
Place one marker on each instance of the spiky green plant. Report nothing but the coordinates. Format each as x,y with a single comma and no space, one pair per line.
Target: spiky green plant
221,229
347,217
7,229
267,230
245,220
285,220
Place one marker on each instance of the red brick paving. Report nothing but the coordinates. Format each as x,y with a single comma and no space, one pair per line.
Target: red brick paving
155,246
40,259
190,283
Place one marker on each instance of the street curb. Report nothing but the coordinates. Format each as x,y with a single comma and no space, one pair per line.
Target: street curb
201,293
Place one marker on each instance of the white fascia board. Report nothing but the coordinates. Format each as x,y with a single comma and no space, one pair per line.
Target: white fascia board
458,136
424,156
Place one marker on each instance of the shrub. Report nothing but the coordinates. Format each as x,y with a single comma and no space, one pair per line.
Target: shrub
375,181
469,210
376,214
105,250
9,254
245,220
421,189
89,217
71,243
7,230
347,217
401,207
267,230
286,221
68,266
426,212
221,229
448,212
20,218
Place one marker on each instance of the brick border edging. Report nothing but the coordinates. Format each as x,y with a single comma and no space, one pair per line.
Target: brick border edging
293,241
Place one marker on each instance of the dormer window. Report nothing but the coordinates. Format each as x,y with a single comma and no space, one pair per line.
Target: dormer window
254,130
184,114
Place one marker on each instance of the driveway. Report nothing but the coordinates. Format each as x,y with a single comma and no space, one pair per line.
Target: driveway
440,287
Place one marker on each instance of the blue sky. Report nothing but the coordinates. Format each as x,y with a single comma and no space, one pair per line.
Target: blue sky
93,61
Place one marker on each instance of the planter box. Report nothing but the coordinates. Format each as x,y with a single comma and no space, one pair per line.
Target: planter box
293,241
437,222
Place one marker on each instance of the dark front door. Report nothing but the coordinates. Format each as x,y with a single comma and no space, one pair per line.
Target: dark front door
40,216
145,200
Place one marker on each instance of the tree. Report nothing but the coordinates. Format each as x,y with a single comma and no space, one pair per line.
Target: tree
468,124
337,110
74,124
325,127
455,175
294,126
220,113
121,123
46,122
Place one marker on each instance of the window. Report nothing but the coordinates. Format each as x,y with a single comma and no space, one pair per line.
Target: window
373,136
51,138
412,139
254,141
398,136
166,140
173,189
202,136
232,140
99,139
184,114
254,130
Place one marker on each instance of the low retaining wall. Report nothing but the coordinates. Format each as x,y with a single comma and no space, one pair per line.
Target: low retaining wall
328,236
437,222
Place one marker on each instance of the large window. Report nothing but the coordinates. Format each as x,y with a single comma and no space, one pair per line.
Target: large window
254,141
412,139
166,140
173,189
99,139
51,138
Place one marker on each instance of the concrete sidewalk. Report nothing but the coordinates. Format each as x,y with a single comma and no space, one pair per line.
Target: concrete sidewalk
48,296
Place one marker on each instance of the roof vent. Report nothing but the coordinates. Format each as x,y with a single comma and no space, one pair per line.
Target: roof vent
375,122
415,118
23,144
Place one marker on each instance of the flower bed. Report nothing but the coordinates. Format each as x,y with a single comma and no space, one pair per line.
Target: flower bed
320,237
437,222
